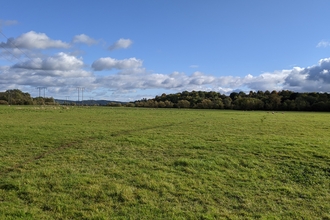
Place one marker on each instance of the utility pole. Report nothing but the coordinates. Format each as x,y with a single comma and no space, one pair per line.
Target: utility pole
42,88
82,93
39,88
67,97
9,97
78,88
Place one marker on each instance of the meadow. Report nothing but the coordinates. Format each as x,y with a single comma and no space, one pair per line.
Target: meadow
136,163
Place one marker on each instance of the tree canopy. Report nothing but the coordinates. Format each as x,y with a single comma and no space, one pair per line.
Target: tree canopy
284,100
17,97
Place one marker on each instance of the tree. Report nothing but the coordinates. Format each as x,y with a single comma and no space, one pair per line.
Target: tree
183,104
17,97
301,104
168,104
3,102
227,103
233,96
274,100
161,104
130,104
207,104
218,104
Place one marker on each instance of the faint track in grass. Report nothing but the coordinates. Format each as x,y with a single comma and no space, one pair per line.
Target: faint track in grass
73,143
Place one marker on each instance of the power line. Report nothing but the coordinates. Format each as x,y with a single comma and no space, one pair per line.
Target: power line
10,53
19,59
40,88
13,44
82,93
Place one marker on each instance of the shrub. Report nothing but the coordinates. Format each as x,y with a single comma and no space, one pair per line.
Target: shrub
3,102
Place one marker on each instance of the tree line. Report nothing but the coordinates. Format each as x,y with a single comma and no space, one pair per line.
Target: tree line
284,100
17,97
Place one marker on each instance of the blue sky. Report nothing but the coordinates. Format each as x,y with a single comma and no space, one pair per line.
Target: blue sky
132,49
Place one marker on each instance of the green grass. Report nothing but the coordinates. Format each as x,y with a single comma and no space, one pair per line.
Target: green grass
133,163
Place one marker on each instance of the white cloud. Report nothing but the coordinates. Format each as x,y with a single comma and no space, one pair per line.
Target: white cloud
48,78
60,61
121,44
62,78
323,43
108,63
82,38
265,81
198,78
62,72
12,54
33,40
315,78
176,80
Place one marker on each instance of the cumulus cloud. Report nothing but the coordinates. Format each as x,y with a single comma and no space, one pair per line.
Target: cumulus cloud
176,80
61,61
313,78
33,40
49,78
121,44
82,38
12,54
53,70
198,78
323,43
264,81
108,63
64,71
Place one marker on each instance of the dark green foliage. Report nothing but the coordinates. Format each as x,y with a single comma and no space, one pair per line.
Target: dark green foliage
17,97
115,104
273,101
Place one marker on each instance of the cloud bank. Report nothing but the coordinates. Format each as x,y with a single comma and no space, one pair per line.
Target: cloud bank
63,71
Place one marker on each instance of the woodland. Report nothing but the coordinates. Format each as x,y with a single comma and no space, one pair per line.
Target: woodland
284,100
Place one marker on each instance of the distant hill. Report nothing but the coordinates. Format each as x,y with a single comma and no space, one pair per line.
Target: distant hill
87,102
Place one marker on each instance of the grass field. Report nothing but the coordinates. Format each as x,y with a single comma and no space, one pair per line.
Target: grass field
134,163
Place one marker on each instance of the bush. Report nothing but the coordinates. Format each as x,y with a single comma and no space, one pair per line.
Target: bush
114,104
3,102
130,104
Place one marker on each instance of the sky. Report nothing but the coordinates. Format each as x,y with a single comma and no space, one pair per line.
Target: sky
132,49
